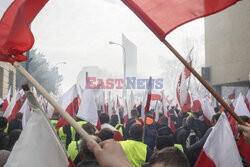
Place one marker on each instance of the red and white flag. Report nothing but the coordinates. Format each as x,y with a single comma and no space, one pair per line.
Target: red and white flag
208,111
14,106
26,110
88,109
6,101
125,113
162,17
220,149
156,113
247,99
244,148
38,145
70,103
240,107
146,99
166,113
131,104
16,37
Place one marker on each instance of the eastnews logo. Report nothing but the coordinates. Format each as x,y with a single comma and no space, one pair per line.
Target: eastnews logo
131,83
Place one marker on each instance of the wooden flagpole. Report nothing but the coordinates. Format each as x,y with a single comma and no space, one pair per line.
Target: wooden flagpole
58,108
204,83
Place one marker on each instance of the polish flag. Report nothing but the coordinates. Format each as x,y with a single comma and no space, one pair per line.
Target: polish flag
110,105
125,113
38,145
241,107
166,113
14,106
247,100
16,37
6,101
131,104
244,148
156,113
70,103
208,111
88,109
26,110
220,148
146,99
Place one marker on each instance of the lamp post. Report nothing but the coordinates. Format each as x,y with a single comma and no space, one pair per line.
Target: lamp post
124,66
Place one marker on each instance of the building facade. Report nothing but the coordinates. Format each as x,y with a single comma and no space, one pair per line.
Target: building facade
227,46
7,79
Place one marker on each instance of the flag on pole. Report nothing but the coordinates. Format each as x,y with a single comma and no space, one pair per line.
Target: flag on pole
147,98
208,111
14,106
166,113
16,37
87,109
38,145
247,100
156,113
131,104
26,113
220,148
6,101
240,107
70,103
162,17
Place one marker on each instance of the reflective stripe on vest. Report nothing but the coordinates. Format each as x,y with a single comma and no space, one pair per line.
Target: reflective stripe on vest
119,128
135,151
73,149
190,114
62,136
6,129
179,147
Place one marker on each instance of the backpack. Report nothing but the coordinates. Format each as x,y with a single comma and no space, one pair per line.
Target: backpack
191,139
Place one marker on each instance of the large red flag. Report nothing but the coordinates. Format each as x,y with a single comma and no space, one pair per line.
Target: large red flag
163,16
15,35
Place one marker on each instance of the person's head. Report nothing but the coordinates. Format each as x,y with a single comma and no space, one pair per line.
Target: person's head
190,120
215,119
19,116
196,115
106,134
163,121
4,155
3,123
164,141
104,118
84,152
89,128
13,137
114,119
169,157
134,113
135,132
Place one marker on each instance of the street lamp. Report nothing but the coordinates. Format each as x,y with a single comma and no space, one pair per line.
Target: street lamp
124,65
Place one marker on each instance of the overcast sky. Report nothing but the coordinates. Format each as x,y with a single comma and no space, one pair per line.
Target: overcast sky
78,32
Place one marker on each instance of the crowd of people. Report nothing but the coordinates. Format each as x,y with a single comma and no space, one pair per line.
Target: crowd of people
136,143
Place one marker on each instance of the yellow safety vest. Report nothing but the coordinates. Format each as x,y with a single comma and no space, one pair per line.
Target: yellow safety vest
179,146
119,128
54,122
73,149
135,151
62,136
6,129
190,114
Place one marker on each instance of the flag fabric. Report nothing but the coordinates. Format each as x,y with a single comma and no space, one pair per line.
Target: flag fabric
244,148
38,145
14,106
232,95
156,97
26,110
220,148
208,111
110,105
156,113
166,113
247,100
162,17
125,113
87,109
131,104
16,37
146,99
196,106
69,102
6,101
240,108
